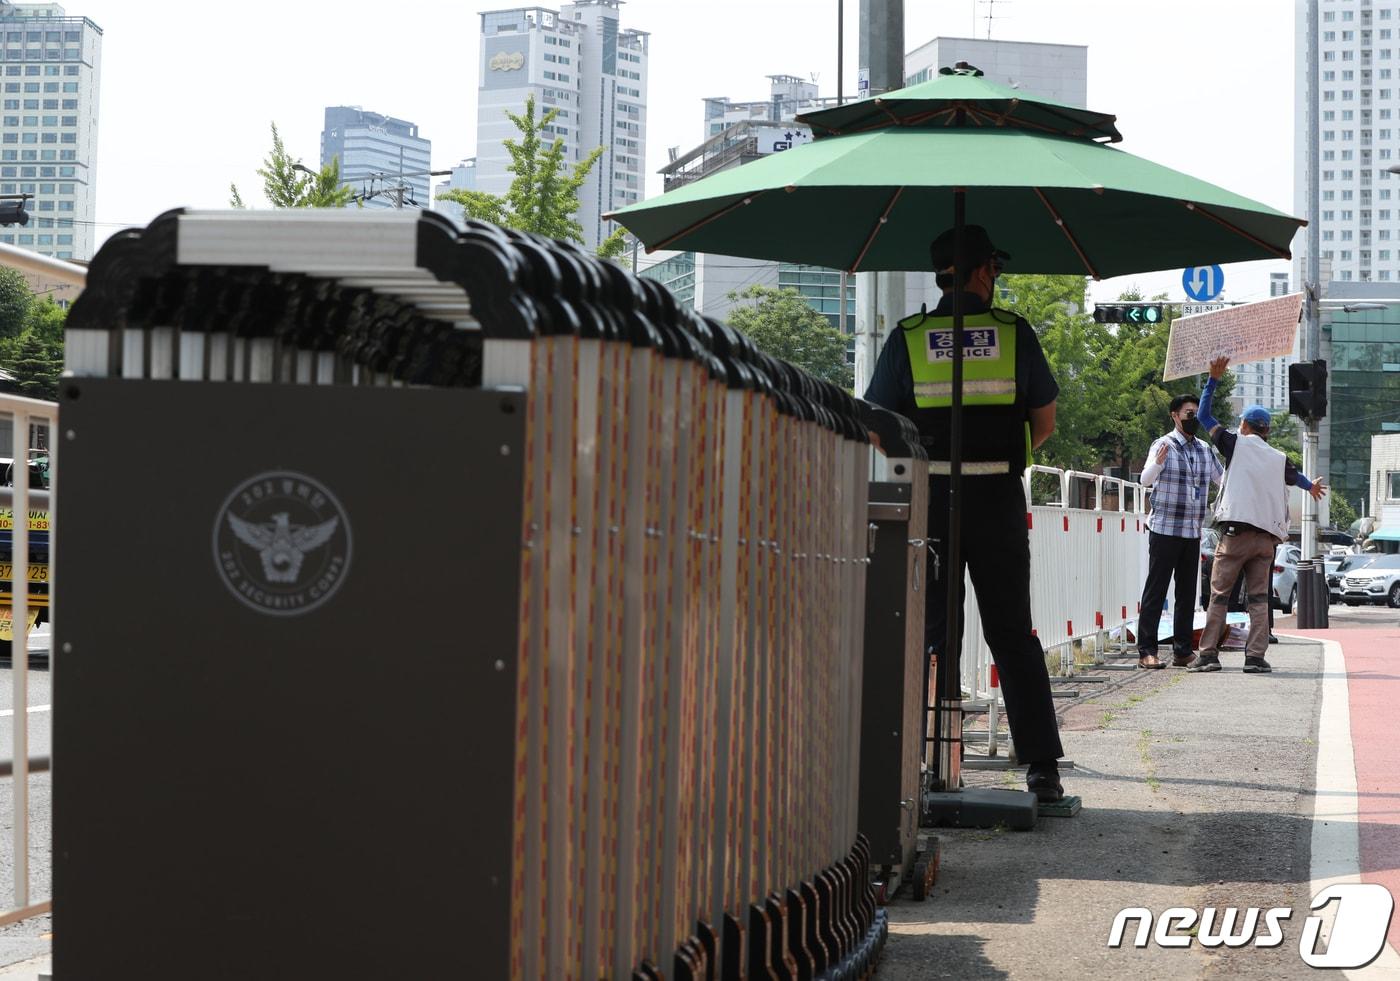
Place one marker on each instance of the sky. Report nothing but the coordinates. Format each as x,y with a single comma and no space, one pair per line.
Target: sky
189,90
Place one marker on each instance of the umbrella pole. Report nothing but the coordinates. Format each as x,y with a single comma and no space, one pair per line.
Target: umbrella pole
951,805
949,714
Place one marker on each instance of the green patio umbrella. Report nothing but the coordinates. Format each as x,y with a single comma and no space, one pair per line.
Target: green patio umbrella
884,176
878,182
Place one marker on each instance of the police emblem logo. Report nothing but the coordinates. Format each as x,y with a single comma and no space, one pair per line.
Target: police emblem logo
282,543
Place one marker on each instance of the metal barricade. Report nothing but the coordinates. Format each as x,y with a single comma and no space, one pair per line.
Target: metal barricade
638,562
1088,565
27,527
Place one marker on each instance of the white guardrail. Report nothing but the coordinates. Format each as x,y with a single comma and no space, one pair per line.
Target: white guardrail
1088,565
23,413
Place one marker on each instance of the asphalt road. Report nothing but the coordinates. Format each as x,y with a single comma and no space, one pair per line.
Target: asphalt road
1341,615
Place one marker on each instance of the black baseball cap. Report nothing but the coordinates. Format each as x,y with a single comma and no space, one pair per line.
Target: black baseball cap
977,245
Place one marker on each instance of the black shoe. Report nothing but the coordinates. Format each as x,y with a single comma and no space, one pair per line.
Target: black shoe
1273,639
1043,780
1256,665
1205,662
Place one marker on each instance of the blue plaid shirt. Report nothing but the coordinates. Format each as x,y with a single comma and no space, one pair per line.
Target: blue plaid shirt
1180,487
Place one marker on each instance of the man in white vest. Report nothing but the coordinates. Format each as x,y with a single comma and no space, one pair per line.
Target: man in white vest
1252,516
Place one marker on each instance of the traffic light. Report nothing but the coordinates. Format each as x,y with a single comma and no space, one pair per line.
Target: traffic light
1307,389
12,212
1128,313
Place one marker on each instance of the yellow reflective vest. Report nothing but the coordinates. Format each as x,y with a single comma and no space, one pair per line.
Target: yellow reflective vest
996,426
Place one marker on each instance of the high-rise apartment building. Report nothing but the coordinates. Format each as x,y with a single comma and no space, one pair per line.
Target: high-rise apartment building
374,150
582,62
1356,113
52,65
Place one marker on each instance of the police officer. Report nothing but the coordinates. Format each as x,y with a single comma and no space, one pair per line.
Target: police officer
1009,408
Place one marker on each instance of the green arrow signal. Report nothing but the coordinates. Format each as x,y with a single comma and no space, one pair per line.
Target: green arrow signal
1135,314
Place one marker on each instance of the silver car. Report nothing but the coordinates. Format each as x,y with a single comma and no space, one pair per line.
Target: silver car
1378,581
1335,566
1285,577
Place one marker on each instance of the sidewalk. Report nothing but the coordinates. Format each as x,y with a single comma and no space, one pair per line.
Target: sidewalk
1198,791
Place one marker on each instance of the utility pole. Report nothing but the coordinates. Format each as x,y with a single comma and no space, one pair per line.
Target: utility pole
841,318
880,297
1312,591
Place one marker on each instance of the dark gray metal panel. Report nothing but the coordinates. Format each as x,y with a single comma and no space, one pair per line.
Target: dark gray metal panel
886,728
326,794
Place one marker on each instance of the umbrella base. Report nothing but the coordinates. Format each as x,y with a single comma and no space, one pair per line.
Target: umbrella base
981,807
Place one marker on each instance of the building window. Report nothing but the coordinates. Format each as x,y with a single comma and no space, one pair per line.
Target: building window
1392,480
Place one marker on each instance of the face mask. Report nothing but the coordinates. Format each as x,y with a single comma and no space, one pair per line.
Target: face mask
1190,425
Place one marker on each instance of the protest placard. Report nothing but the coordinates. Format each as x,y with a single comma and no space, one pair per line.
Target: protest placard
1248,332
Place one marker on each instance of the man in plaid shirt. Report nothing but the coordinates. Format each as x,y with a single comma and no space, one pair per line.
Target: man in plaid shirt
1179,470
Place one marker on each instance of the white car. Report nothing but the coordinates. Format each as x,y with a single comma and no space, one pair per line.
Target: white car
1377,581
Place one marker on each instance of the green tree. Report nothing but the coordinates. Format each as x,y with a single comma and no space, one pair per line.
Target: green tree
1113,402
1074,347
15,301
782,323
543,195
286,187
37,357
1340,511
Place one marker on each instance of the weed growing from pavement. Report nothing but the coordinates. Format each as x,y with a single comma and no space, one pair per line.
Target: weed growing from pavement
1150,768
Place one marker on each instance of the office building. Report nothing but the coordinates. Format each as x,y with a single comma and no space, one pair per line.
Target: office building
1051,71
374,150
1384,505
580,61
1363,354
462,178
52,65
788,96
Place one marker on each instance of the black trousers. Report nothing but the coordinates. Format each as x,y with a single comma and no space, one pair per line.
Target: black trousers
1169,557
996,554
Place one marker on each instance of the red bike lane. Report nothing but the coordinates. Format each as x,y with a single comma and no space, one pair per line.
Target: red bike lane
1373,694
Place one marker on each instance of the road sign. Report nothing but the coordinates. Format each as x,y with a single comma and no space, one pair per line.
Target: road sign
1191,309
1203,283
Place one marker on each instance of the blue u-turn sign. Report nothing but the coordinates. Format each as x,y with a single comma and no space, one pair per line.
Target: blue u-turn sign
1203,283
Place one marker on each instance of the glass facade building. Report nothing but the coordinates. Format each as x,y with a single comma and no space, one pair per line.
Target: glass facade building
677,274
50,64
1364,394
373,149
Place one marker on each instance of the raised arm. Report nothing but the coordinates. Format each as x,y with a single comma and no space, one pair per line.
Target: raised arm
1217,370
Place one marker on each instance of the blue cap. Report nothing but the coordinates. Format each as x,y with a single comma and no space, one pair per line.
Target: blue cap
1257,415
